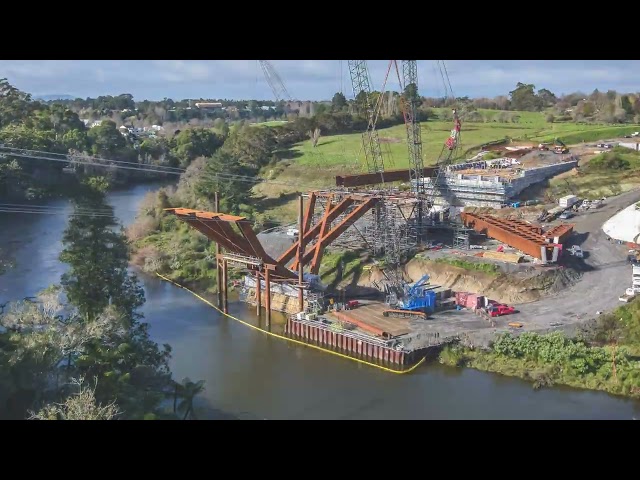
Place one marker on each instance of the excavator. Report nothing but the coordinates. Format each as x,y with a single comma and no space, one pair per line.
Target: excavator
558,146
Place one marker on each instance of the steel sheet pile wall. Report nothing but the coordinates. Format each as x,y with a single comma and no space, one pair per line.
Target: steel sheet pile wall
517,234
346,343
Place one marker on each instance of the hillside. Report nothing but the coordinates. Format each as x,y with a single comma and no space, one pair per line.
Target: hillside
308,167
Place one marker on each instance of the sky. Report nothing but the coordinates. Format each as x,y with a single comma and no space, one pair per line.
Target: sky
306,79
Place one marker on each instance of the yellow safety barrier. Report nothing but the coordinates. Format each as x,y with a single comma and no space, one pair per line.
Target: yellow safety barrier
281,337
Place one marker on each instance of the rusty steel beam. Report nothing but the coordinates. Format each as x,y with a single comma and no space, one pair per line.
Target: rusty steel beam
313,232
251,238
348,181
562,232
334,233
318,247
378,332
210,233
308,214
530,244
243,246
217,227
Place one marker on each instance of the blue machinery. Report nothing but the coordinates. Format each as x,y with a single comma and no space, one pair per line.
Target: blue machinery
417,298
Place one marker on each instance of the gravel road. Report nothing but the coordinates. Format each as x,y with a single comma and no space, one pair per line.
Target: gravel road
606,273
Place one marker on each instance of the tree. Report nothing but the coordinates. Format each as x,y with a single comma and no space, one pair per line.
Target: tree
195,142
187,390
411,93
131,368
314,135
586,108
221,174
106,140
525,98
79,406
98,255
547,98
15,106
39,347
338,102
360,103
626,105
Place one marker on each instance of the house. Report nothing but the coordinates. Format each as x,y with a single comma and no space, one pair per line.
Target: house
208,105
302,108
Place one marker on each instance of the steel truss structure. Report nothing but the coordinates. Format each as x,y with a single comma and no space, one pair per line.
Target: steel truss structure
362,92
387,227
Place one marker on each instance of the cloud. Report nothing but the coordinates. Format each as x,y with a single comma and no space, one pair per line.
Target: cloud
182,70
306,79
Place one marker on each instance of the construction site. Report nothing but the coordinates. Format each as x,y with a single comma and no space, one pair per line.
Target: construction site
376,212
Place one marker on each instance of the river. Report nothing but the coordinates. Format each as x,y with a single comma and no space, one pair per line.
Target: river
249,375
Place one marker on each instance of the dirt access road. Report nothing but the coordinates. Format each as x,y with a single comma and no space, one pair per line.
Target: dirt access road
606,273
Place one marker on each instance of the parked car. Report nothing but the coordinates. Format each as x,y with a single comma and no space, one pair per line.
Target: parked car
565,216
576,251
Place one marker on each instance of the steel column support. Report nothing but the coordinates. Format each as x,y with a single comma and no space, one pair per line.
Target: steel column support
216,206
225,287
267,287
314,231
258,287
301,245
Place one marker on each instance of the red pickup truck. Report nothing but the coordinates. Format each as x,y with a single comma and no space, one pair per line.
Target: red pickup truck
351,304
497,310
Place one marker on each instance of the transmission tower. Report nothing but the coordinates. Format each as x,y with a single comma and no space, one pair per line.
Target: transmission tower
362,92
274,81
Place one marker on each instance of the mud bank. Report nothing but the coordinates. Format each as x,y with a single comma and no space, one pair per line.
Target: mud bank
504,287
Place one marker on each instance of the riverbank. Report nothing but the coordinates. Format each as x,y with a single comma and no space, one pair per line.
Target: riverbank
603,356
251,376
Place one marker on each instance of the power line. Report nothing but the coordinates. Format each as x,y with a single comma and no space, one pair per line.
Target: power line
43,212
38,155
87,213
73,157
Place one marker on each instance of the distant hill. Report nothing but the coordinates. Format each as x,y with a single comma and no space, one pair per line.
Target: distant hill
49,98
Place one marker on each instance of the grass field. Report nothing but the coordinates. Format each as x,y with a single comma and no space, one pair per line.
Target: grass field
306,167
272,123
346,150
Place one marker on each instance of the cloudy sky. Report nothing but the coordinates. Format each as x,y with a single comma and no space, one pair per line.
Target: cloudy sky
305,79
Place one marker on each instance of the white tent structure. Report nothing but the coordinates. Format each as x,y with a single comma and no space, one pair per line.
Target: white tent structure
625,225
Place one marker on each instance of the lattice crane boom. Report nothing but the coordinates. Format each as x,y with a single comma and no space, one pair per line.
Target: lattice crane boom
362,91
414,133
275,82
446,156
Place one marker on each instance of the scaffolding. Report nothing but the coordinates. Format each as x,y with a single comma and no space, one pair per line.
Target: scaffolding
315,302
461,236
388,230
